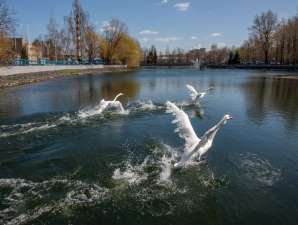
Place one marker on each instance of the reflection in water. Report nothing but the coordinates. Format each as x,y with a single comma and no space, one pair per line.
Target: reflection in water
6,106
68,94
110,88
57,168
267,94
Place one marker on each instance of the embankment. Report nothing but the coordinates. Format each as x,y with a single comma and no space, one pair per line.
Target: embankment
21,75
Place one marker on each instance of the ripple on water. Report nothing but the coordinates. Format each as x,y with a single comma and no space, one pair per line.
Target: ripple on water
150,188
258,169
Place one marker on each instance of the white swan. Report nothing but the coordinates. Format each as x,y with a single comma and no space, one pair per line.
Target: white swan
104,105
194,146
194,94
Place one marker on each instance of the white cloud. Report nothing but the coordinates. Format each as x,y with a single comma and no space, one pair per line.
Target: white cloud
183,6
162,2
167,39
148,32
194,38
216,34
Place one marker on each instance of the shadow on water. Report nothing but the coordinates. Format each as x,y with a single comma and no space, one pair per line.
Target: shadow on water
268,95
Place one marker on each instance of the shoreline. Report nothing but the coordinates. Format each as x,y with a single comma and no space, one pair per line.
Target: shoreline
20,79
19,75
255,67
227,66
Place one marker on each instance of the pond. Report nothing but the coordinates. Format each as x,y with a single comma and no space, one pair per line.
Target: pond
64,162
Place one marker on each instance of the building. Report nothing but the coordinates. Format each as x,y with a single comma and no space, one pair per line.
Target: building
34,53
24,50
17,45
197,54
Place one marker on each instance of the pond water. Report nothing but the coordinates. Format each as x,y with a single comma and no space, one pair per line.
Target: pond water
62,162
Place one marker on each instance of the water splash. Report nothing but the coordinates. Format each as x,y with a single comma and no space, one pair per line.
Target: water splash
81,116
103,106
132,174
145,106
150,182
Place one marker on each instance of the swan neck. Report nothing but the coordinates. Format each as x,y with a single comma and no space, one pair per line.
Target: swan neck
221,123
117,97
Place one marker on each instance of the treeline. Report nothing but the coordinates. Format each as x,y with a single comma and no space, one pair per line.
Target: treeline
177,56
113,44
271,40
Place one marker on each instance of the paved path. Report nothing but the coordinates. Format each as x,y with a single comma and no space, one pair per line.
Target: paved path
14,70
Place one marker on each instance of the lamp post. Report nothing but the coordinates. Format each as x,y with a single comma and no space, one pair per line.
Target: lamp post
78,30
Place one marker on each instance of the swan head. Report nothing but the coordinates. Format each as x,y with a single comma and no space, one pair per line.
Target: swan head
202,95
228,117
120,94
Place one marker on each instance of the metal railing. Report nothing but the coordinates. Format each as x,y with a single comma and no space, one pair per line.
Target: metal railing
46,62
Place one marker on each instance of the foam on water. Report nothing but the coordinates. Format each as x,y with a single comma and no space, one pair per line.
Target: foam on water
85,113
166,169
20,129
167,161
144,106
75,193
163,158
80,116
149,182
100,109
19,194
259,169
137,106
132,174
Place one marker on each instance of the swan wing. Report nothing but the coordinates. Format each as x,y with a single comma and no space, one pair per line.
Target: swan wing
192,91
184,127
103,105
116,104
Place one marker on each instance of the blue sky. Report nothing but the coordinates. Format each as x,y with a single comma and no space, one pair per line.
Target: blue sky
174,23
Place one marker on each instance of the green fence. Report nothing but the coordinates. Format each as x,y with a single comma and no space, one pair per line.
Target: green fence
41,62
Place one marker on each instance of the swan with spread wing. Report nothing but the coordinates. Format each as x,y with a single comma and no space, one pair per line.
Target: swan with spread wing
194,94
194,146
115,104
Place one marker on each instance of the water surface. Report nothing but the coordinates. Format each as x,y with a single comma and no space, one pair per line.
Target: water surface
59,167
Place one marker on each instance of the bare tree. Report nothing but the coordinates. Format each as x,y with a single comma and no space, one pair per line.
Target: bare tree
263,29
7,28
280,42
7,19
66,40
113,33
53,39
78,23
92,43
